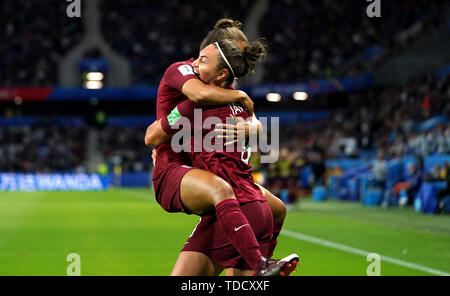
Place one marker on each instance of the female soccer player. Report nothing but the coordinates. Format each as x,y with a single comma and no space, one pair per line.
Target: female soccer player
210,238
178,186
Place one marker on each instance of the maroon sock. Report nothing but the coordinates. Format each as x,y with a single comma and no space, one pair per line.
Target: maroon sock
273,242
236,228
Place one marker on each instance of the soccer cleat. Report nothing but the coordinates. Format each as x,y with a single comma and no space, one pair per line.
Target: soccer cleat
281,267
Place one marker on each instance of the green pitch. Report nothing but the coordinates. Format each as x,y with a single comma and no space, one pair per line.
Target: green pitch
125,232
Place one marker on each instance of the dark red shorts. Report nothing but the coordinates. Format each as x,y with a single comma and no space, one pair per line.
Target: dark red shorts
207,238
167,188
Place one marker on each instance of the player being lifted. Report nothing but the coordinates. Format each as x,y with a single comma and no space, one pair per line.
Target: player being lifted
226,239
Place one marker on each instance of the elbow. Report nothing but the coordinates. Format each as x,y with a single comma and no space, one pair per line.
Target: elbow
197,99
147,141
150,139
155,136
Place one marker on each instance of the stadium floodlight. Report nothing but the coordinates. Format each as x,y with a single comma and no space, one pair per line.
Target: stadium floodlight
93,79
93,84
18,100
94,76
300,96
273,97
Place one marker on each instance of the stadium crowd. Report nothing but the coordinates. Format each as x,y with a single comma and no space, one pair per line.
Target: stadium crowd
386,120
304,55
43,149
313,39
163,32
35,36
122,147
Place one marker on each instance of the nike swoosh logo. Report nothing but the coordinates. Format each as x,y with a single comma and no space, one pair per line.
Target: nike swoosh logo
237,228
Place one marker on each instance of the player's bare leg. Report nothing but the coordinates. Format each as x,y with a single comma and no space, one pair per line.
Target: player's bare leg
203,192
195,264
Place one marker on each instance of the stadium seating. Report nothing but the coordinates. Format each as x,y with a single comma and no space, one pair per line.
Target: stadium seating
313,39
123,146
162,32
35,36
319,193
41,148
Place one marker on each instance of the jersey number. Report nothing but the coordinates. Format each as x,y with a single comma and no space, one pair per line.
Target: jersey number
246,157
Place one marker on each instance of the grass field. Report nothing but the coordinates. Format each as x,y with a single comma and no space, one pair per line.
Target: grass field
125,232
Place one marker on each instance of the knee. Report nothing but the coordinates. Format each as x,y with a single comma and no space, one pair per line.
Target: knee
221,191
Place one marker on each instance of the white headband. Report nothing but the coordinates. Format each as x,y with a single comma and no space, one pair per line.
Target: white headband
225,59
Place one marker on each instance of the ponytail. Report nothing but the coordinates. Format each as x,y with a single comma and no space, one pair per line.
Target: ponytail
255,51
227,23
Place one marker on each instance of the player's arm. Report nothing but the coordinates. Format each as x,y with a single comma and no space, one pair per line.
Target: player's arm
162,130
204,94
155,135
182,78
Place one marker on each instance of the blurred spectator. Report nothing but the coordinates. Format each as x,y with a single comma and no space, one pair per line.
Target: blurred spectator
284,165
273,179
435,174
287,175
443,140
255,161
410,185
444,194
380,170
318,167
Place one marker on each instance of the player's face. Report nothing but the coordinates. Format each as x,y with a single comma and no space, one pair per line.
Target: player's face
206,65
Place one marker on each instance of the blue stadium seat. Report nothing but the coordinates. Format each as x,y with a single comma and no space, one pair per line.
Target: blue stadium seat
372,197
319,193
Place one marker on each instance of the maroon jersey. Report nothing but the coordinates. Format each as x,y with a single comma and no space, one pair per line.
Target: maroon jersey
233,166
169,96
169,90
